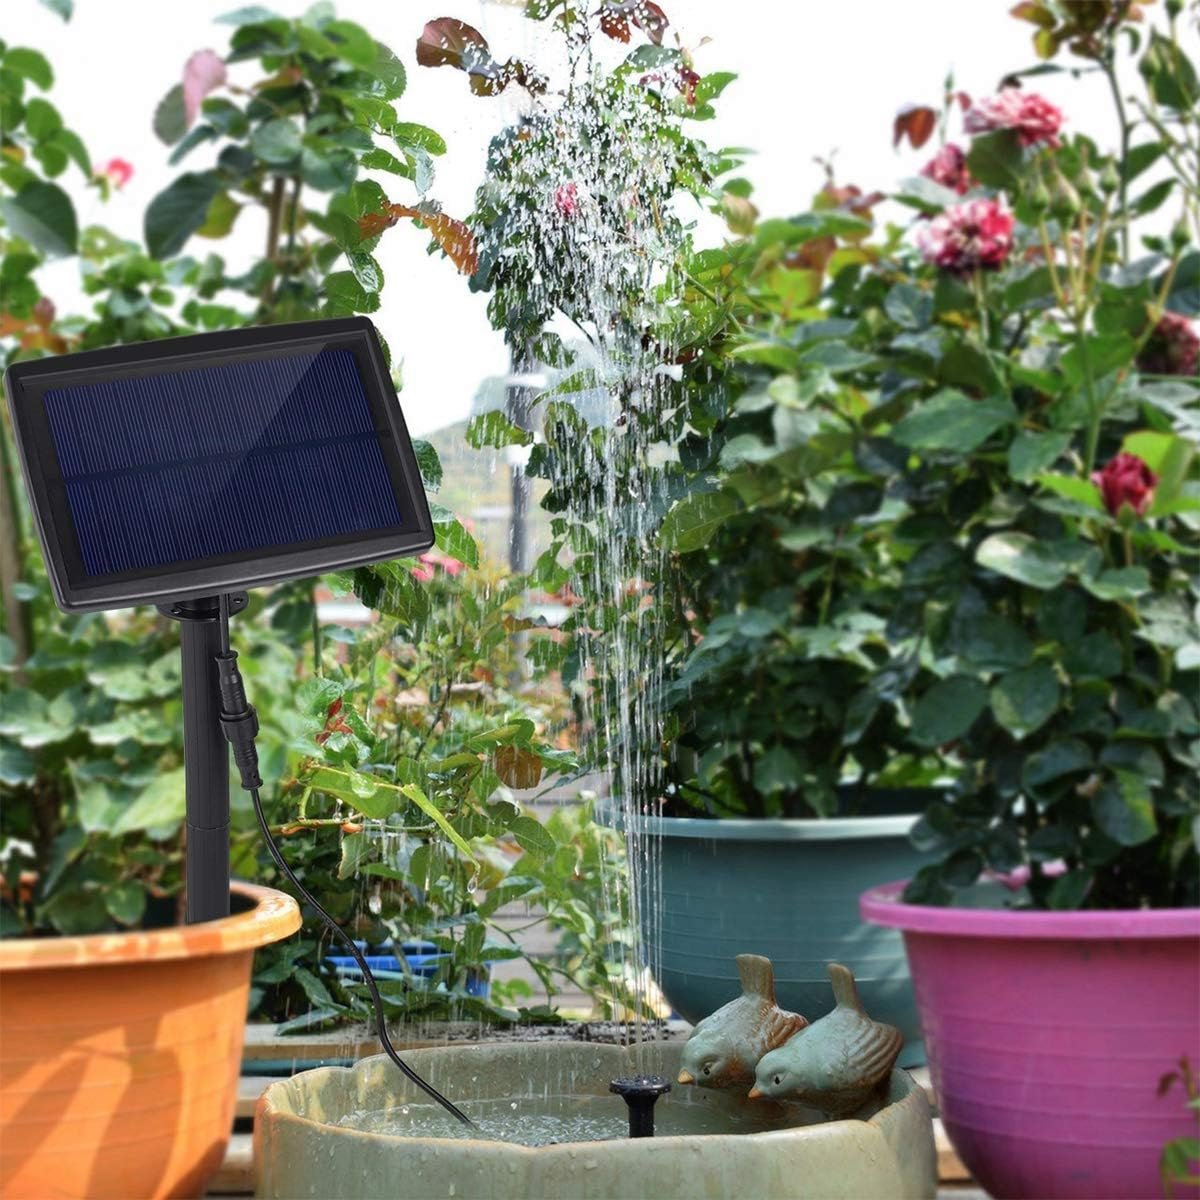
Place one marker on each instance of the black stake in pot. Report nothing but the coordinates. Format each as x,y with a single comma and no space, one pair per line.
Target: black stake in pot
640,1092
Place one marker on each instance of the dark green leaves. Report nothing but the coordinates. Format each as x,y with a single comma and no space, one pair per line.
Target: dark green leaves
948,710
178,211
1024,700
42,214
170,120
30,64
996,158
276,142
1124,810
1023,558
950,420
495,429
1169,74
694,521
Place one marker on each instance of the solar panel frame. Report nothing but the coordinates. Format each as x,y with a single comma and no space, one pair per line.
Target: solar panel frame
28,382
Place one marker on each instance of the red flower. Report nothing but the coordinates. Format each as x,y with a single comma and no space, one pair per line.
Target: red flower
949,168
1126,480
1033,118
118,172
967,237
1172,349
566,200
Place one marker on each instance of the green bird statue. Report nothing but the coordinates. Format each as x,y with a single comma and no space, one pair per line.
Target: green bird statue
724,1047
836,1063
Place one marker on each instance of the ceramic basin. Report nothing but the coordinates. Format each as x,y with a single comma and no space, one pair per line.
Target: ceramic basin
305,1145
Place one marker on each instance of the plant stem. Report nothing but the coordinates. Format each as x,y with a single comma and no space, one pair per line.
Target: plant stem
1110,73
274,224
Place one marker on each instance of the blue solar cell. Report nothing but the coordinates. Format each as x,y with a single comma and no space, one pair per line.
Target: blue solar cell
176,466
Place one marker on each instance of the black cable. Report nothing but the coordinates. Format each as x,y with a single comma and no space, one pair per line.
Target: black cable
240,725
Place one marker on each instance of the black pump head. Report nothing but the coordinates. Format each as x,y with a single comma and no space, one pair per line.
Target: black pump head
640,1093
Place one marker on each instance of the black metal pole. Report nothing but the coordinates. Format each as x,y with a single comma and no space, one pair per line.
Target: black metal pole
205,758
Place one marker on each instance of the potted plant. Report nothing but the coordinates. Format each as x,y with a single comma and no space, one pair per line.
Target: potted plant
689,653
112,1016
1053,554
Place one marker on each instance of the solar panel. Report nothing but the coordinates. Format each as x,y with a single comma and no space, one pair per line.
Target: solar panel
179,468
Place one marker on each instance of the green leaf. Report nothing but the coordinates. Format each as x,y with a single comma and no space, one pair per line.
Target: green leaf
219,219
1081,491
1105,352
1124,811
452,538
178,211
948,709
996,159
408,133
354,44
42,119
1070,889
389,70
1066,757
31,65
1024,700
1169,74
344,295
1169,456
250,14
42,214
495,429
277,141
429,463
366,270
381,160
170,117
62,8
776,770
1119,583
950,420
431,810
533,836
125,901
1029,454
1020,557
159,806
693,521
17,767
909,306
993,643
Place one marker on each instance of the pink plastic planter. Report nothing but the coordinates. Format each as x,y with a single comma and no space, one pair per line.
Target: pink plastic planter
1046,1035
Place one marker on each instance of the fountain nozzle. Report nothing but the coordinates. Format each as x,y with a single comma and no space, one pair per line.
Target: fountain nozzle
640,1092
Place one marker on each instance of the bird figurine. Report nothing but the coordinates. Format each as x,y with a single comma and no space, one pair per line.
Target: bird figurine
837,1062
724,1047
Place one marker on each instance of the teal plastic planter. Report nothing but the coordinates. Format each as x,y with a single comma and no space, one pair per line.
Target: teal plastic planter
787,889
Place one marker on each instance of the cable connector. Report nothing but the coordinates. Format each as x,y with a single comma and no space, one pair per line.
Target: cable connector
239,721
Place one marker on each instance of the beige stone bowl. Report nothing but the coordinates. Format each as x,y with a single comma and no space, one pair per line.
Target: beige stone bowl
301,1151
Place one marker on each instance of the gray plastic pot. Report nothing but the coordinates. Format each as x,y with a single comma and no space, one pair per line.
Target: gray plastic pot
787,889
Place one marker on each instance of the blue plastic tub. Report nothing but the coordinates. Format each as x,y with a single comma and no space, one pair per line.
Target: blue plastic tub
422,959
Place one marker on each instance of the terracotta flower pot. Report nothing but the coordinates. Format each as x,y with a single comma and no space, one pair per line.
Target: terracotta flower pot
1047,1033
119,1053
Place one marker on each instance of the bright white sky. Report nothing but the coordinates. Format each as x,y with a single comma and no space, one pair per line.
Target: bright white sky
813,77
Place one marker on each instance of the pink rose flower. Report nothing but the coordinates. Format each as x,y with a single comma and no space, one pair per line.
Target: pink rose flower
949,168
1125,479
975,235
1034,119
566,200
118,172
1172,349
423,572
